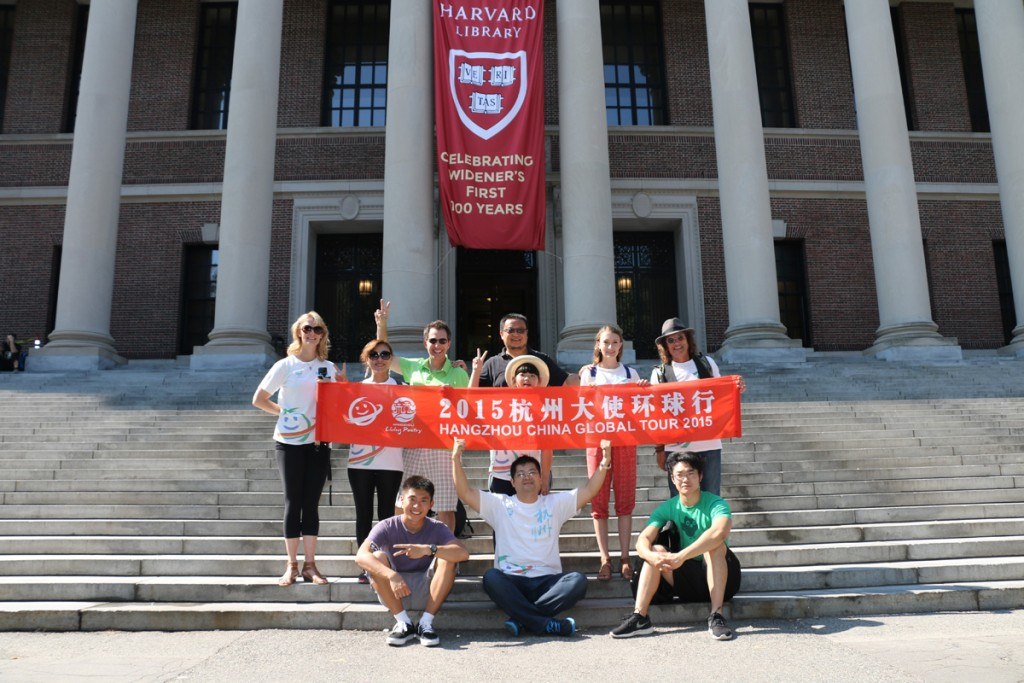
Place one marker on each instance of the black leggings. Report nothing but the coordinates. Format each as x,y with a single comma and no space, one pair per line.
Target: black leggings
363,483
303,473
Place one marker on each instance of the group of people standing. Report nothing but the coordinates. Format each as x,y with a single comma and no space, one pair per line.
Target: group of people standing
410,560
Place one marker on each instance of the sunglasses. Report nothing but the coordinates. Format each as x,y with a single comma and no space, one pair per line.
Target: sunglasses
315,330
437,341
515,330
383,355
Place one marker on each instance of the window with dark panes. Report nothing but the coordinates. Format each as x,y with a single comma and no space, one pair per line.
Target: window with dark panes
645,286
211,91
794,311
1005,288
347,290
6,39
771,59
901,63
634,63
970,55
75,77
356,63
198,296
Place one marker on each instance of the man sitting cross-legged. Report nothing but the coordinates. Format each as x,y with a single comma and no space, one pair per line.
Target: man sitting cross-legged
704,570
527,581
397,556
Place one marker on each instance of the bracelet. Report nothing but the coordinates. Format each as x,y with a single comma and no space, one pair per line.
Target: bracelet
605,467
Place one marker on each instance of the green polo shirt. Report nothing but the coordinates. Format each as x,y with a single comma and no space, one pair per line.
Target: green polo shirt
417,371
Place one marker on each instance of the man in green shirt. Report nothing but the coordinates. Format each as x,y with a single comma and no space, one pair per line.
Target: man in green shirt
434,370
703,570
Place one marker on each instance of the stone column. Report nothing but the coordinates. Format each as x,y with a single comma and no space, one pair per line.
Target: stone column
81,338
589,253
1001,36
906,330
755,332
409,268
239,337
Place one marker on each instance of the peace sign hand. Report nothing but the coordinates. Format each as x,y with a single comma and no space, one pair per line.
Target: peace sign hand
478,361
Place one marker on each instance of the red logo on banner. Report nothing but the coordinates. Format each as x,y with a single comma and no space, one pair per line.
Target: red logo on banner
527,419
489,111
488,89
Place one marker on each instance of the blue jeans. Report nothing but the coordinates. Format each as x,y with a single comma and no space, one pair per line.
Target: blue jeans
712,479
533,600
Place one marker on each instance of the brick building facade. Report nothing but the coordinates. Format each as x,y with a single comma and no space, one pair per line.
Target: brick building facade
330,180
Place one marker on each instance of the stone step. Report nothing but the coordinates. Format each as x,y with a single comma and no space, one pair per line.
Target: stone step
466,589
594,616
174,562
14,530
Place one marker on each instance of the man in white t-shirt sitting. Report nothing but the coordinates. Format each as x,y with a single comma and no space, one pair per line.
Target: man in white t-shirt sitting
527,580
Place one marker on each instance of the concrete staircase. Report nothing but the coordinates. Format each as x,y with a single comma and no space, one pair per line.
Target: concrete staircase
147,498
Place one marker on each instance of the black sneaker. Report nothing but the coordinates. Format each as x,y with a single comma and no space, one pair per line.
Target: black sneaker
401,633
634,625
428,636
363,578
718,628
561,627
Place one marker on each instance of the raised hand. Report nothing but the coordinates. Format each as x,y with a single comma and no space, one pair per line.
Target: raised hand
380,316
457,448
478,361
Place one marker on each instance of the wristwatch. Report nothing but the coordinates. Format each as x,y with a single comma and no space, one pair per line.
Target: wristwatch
433,549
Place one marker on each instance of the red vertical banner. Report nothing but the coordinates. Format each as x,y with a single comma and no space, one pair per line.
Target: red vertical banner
489,113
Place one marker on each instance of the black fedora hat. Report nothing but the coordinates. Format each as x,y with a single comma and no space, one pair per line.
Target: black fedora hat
671,326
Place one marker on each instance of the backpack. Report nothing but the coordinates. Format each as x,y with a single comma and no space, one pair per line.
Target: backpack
667,374
629,371
462,522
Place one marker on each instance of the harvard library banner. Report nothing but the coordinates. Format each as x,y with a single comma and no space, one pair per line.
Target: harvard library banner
527,419
489,113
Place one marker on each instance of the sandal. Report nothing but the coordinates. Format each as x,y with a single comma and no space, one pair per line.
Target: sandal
626,569
605,573
290,574
310,574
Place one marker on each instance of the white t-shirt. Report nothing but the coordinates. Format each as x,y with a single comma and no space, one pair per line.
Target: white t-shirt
375,457
295,383
687,372
501,462
527,534
623,374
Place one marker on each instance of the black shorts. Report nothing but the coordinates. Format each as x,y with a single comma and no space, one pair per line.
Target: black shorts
690,581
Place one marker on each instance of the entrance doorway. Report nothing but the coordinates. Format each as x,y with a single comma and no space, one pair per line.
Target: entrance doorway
347,292
489,284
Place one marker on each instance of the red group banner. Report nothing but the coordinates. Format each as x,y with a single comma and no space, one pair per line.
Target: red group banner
527,419
489,113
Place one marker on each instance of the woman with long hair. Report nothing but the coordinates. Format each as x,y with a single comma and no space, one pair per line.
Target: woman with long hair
301,461
607,368
374,468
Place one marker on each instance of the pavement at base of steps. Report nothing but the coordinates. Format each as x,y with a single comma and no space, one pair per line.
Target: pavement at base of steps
929,647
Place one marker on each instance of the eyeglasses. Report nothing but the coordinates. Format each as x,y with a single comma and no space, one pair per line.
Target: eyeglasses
526,474
675,339
315,330
440,342
515,330
383,355
684,474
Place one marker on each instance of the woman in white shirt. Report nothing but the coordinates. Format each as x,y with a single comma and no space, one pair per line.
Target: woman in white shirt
682,361
301,461
374,468
607,369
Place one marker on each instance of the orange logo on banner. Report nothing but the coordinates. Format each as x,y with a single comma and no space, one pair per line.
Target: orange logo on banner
528,419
